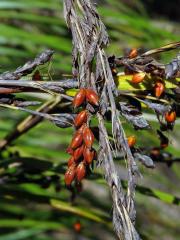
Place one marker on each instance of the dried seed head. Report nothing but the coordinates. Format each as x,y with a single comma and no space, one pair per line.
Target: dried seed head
78,153
76,141
158,89
138,77
88,137
80,171
70,175
133,53
80,118
131,141
92,97
170,117
88,155
79,98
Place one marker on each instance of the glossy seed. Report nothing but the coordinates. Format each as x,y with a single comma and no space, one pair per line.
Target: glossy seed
78,153
170,117
88,155
158,89
88,137
71,161
138,77
70,175
79,98
80,171
133,53
77,226
92,97
76,141
80,118
81,129
131,141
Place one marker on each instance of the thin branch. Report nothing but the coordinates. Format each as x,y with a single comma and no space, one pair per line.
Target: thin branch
29,66
64,84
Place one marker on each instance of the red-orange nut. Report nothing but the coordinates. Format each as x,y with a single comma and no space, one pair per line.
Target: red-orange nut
70,161
170,117
131,141
92,97
138,77
76,141
78,153
88,137
133,53
70,175
88,155
77,226
159,89
79,98
80,171
81,129
80,118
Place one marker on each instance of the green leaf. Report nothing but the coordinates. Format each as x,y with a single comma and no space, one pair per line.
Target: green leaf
30,223
22,234
165,197
86,213
13,35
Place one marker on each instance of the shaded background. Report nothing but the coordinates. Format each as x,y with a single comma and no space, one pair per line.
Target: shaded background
27,210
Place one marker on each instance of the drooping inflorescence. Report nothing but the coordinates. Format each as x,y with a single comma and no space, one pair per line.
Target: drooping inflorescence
81,147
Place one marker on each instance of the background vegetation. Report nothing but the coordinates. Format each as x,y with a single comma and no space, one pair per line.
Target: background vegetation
35,204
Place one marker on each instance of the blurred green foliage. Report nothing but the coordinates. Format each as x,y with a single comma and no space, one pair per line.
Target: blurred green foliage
27,27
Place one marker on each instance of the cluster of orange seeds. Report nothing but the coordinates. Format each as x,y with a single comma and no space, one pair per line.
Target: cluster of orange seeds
158,88
139,77
80,149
